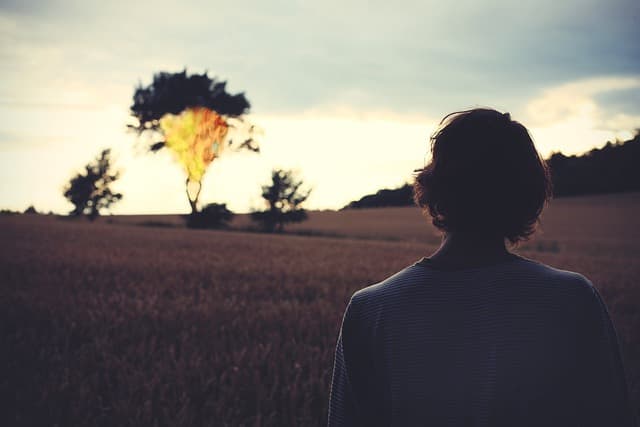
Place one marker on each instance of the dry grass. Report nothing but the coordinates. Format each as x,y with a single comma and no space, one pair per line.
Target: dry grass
592,224
104,324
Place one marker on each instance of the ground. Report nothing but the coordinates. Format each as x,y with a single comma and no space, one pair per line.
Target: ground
112,323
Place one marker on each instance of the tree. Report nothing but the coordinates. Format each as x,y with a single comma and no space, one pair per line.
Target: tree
31,210
283,198
90,191
401,196
196,118
610,169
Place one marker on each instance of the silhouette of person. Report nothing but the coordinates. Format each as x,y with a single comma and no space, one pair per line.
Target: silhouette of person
475,335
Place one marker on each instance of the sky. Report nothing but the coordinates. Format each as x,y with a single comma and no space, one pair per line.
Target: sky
346,92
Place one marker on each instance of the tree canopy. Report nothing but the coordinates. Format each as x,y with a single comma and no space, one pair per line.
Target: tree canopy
90,192
195,117
283,197
401,196
610,169
173,93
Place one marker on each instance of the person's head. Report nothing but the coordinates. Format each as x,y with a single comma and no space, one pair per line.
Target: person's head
485,177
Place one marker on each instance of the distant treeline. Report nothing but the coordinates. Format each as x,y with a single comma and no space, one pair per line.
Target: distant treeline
402,196
613,168
610,169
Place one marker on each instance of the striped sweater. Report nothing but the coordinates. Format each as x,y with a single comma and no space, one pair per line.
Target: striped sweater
516,343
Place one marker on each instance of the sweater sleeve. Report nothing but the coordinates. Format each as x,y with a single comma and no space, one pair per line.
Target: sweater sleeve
604,396
355,398
341,400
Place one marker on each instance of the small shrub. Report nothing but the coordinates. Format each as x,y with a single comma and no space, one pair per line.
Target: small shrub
214,215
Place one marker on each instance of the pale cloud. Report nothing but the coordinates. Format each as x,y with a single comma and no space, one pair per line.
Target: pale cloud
577,98
570,119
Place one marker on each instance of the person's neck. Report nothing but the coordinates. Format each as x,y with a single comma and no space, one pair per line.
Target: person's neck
463,250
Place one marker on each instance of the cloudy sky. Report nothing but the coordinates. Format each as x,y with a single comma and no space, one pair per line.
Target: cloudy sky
347,92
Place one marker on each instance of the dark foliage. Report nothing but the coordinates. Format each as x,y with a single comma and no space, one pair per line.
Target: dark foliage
214,215
174,92
31,210
401,196
284,197
611,169
90,191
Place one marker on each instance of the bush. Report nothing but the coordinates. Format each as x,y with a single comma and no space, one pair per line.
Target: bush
214,215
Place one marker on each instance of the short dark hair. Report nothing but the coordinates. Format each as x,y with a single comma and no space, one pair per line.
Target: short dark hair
485,176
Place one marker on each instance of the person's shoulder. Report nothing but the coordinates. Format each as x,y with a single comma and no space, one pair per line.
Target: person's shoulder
554,275
543,279
392,285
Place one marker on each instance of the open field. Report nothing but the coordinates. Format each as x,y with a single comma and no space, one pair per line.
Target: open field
111,324
594,224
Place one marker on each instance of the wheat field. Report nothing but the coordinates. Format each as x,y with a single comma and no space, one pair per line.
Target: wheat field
115,324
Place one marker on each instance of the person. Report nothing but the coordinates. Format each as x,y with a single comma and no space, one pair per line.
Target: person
475,335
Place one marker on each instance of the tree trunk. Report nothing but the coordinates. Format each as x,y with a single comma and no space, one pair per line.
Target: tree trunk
193,193
194,206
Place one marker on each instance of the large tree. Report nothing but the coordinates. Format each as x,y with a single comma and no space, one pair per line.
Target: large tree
196,118
283,197
90,191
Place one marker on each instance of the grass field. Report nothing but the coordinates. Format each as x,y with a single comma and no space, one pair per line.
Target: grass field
113,324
